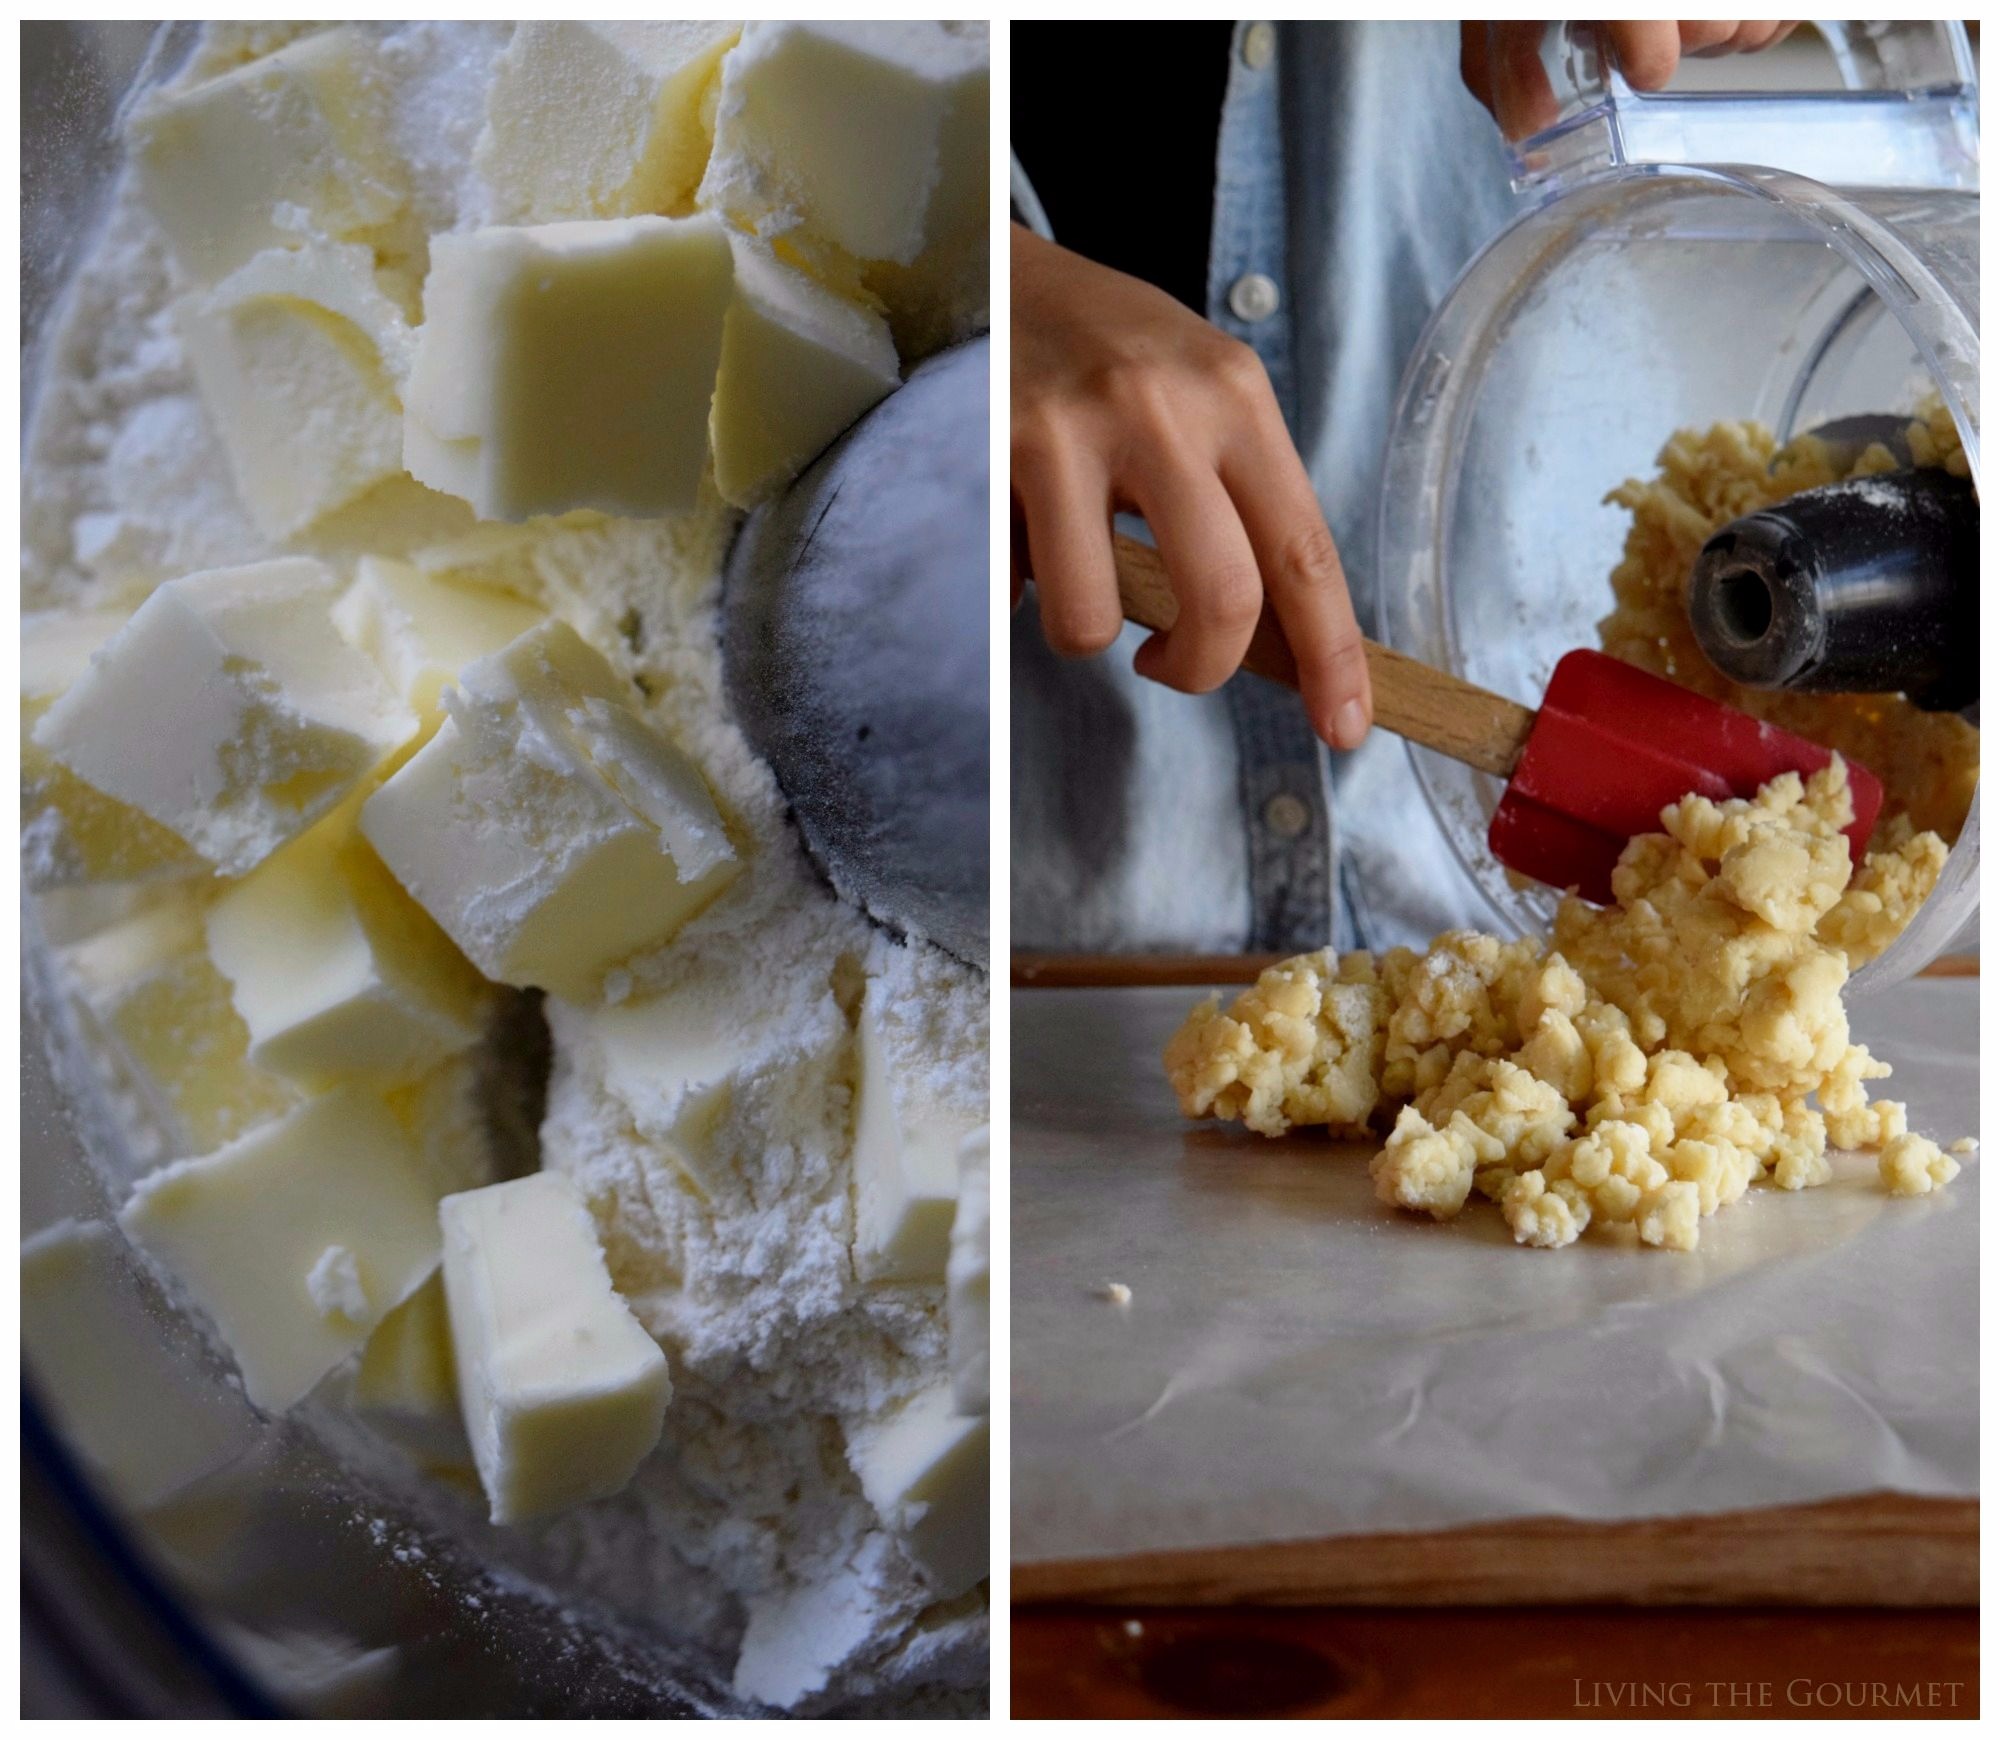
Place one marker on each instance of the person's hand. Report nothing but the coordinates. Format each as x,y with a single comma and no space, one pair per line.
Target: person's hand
1124,400
1495,60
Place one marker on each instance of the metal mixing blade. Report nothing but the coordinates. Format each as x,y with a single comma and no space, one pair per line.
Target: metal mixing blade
855,645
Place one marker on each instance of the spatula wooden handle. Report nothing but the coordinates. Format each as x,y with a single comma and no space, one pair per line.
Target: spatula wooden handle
1414,700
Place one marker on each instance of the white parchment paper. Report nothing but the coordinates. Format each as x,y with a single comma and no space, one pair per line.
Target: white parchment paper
1297,1361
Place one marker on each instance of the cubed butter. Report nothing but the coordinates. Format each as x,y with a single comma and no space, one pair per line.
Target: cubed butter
968,1283
600,120
698,1067
232,165
923,1467
164,1014
470,1117
337,972
799,364
101,1355
569,366
74,914
562,1392
945,294
837,130
230,710
299,357
423,629
296,1239
669,1059
56,648
905,1160
72,832
546,827
496,554
223,46
406,1384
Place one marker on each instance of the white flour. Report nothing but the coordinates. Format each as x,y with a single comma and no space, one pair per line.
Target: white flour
748,1514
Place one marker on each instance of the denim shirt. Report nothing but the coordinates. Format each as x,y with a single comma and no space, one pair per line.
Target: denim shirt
1355,179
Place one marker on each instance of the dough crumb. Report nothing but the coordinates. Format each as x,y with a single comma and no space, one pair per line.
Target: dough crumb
1115,1293
1914,1165
1641,1069
1928,762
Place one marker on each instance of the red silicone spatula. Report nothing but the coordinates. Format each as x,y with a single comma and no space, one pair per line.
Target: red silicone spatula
1610,747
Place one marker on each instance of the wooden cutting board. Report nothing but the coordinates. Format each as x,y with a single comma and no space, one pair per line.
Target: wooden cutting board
1879,1549
1883,1549
1486,1663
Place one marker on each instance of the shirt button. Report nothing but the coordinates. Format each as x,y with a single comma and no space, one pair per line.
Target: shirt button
1253,297
1286,816
1260,43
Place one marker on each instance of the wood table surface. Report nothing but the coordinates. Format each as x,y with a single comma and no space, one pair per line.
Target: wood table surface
1087,1641
1549,1662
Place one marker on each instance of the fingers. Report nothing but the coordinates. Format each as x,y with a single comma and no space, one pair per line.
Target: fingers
1304,581
1647,51
1123,399
1064,503
1710,40
1753,38
1473,65
1213,571
1707,36
1502,67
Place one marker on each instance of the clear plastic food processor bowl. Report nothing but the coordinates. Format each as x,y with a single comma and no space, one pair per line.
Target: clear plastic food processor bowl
1650,291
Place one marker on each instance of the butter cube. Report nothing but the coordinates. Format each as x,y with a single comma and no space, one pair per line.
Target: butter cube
709,1065
222,46
562,1392
799,364
600,120
669,1060
968,1283
72,832
905,1156
56,648
74,914
145,1418
296,1239
407,1382
837,130
569,366
299,357
945,294
423,629
230,710
163,1014
470,1117
337,972
923,1467
236,164
546,827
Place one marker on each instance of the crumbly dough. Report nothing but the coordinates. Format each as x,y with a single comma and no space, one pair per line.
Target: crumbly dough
1641,1070
1928,762
1913,1165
